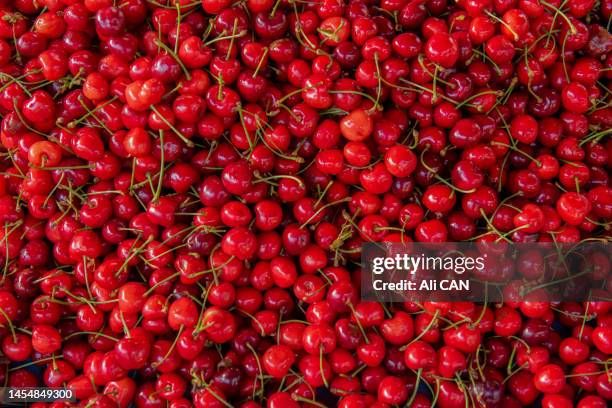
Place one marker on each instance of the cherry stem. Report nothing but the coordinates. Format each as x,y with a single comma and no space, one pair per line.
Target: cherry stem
232,40
344,234
263,331
361,329
486,58
516,149
416,388
259,367
126,329
595,137
133,252
435,74
161,167
330,35
343,200
437,393
36,362
484,307
280,176
16,80
260,63
525,291
352,92
161,282
7,234
502,22
379,85
467,396
90,112
88,302
224,37
172,346
321,366
10,324
472,97
281,154
417,87
274,8
292,93
512,372
179,17
439,178
434,318
175,57
97,334
322,193
188,142
218,397
358,370
24,121
562,14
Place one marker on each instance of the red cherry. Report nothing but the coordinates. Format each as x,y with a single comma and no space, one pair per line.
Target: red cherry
573,207
442,49
549,379
356,126
400,161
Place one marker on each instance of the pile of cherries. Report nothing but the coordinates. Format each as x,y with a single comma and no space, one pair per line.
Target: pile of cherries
185,187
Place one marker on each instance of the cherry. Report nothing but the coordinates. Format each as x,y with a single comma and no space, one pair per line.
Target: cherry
420,355
573,351
601,338
45,339
133,351
439,198
464,133
450,361
549,379
392,390
17,348
278,360
356,126
524,128
140,95
573,207
442,49
316,371
530,219
400,161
